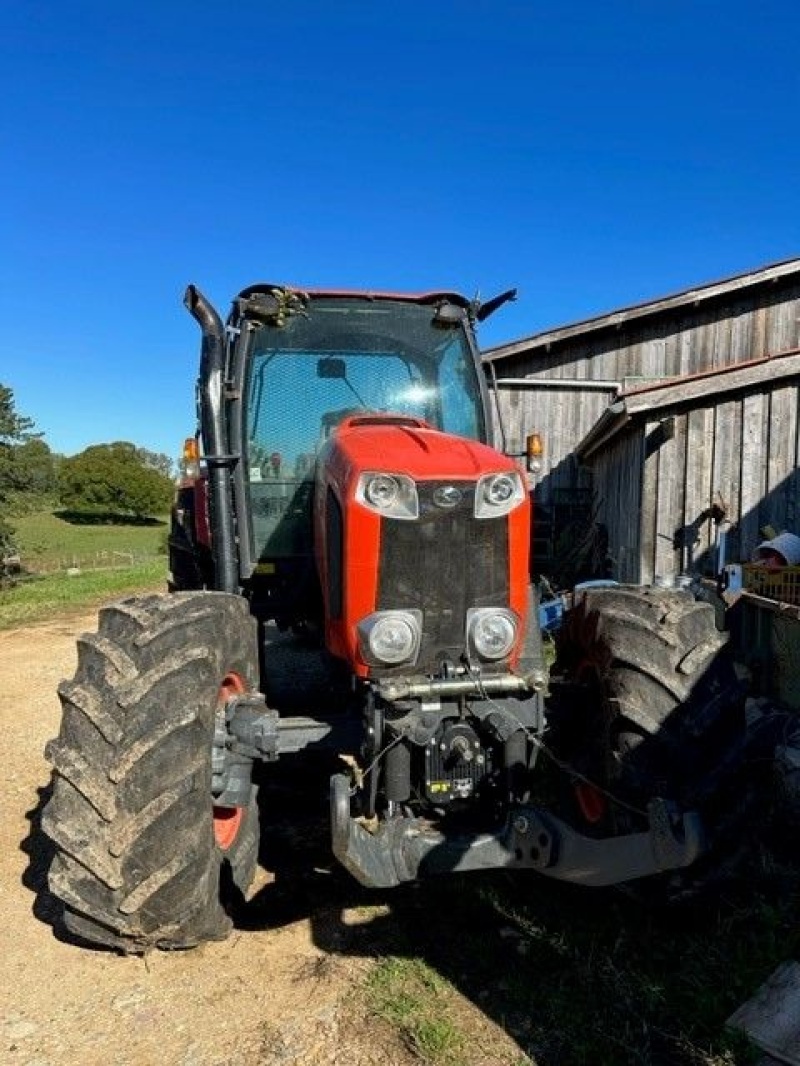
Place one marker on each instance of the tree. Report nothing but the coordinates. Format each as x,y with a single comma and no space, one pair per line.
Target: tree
156,460
35,468
15,430
113,478
13,427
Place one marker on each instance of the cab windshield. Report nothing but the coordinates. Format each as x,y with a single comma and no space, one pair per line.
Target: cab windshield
350,356
344,356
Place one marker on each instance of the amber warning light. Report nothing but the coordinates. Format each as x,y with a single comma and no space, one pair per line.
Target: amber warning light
190,460
534,452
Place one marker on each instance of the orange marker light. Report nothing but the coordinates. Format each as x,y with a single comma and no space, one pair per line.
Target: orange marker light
534,452
190,460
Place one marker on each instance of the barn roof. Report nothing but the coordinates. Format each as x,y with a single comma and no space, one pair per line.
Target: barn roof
696,295
688,390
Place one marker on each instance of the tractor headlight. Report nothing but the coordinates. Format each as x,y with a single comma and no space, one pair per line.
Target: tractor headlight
497,494
491,632
390,495
388,638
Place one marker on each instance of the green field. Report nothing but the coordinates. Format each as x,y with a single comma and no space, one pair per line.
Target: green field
48,542
70,565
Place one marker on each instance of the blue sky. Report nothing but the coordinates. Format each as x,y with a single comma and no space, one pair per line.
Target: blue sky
592,154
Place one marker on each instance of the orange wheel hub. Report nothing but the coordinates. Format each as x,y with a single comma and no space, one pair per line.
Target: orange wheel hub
228,820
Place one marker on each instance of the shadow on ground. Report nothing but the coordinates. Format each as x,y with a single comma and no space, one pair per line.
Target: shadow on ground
40,851
106,518
574,976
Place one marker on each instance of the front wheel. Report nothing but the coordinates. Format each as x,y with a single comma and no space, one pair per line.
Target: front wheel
657,711
138,842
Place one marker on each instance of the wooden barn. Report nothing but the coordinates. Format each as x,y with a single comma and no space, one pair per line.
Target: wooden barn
657,417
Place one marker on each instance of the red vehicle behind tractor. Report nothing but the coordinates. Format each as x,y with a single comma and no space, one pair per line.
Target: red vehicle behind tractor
350,574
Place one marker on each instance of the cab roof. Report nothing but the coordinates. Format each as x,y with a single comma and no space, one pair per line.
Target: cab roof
358,294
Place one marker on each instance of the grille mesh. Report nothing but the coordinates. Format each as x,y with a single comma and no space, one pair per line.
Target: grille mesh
442,564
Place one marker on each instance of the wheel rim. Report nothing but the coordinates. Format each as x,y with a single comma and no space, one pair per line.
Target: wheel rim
591,800
227,821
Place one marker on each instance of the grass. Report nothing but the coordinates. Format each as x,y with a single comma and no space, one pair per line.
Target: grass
619,985
58,593
413,998
113,560
49,542
579,977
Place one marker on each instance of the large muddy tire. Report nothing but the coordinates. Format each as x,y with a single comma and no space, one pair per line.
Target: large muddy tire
662,711
138,843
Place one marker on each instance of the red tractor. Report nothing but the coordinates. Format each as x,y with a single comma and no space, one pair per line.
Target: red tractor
350,573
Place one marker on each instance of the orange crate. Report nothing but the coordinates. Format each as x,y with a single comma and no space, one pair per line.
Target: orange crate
781,584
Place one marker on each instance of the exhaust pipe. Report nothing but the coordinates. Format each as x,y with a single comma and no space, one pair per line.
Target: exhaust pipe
215,444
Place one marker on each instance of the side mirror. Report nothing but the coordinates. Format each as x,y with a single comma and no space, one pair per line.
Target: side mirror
331,367
489,308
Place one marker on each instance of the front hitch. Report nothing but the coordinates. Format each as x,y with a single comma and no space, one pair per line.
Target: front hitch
404,849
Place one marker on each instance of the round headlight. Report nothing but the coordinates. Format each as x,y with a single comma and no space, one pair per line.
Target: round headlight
382,491
492,634
499,490
392,640
498,494
389,495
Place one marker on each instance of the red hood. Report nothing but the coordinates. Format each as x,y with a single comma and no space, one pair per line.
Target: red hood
410,446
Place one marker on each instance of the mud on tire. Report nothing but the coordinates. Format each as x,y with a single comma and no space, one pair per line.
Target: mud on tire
663,704
137,865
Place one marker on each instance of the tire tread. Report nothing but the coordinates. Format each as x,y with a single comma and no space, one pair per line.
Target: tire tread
136,866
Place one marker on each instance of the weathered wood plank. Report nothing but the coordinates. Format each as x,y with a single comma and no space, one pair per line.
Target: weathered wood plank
752,471
781,458
630,478
669,502
699,470
720,332
618,493
692,390
742,333
793,482
725,462
647,545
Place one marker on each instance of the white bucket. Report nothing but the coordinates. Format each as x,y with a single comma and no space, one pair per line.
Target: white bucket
786,544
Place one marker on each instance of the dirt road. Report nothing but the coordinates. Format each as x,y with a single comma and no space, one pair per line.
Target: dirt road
284,989
263,996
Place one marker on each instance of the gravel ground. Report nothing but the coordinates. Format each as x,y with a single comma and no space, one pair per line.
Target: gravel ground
267,995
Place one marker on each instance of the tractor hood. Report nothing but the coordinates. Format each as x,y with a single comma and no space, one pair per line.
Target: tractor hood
406,521
400,444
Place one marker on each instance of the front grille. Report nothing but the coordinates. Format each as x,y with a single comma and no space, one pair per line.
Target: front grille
443,563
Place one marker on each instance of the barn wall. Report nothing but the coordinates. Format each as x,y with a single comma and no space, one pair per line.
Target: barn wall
682,340
562,417
742,451
618,498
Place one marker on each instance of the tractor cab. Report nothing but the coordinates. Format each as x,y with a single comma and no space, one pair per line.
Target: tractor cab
301,366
